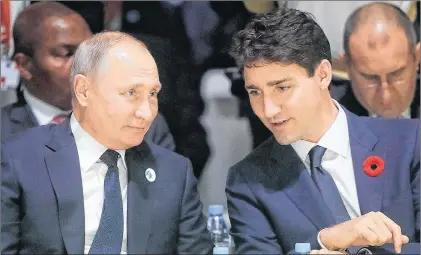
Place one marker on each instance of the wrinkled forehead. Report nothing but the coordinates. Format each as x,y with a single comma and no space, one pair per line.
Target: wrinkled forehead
380,38
373,51
129,63
130,55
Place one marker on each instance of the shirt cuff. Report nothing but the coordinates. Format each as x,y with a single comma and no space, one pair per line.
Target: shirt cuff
320,242
324,247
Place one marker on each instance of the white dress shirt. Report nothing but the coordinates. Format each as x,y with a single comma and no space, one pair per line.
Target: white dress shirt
405,115
93,172
44,113
337,161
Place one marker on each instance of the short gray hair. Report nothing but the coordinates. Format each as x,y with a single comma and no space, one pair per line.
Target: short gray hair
90,53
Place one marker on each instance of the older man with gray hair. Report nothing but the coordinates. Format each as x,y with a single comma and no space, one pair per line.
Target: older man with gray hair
92,184
46,36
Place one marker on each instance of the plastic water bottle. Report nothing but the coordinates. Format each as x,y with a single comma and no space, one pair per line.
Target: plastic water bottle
218,229
302,248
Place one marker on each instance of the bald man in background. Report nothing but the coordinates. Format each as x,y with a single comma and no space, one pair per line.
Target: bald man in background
46,36
382,57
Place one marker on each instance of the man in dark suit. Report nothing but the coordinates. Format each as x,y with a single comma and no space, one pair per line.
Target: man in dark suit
92,184
327,176
382,58
46,36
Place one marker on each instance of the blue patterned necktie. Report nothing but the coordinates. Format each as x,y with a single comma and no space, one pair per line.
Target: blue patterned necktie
109,236
326,185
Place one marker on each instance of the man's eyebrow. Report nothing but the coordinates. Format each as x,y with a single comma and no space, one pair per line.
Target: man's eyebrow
368,76
136,85
68,46
251,86
277,82
270,83
398,71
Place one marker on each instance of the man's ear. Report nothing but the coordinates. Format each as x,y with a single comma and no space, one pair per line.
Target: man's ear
324,73
344,59
81,85
24,65
417,55
342,56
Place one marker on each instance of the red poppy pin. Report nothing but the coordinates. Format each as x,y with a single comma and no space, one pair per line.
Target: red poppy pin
373,166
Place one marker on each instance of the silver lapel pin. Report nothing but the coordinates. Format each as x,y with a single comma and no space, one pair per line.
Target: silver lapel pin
150,175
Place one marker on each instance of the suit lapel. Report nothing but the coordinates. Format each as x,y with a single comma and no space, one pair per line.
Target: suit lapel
140,198
363,144
63,167
296,182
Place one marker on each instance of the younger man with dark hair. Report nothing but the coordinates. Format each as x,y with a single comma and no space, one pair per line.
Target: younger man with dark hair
326,177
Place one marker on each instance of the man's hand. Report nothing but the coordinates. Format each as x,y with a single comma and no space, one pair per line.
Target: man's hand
373,229
324,251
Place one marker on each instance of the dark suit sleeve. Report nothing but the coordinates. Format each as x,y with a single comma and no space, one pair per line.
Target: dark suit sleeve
250,228
415,184
160,134
10,211
194,238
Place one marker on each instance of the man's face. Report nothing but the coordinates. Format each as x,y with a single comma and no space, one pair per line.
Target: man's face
122,100
53,58
383,73
286,100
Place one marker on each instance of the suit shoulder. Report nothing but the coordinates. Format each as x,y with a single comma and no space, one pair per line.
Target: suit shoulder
257,168
257,158
6,108
166,155
396,127
5,111
158,123
9,107
27,139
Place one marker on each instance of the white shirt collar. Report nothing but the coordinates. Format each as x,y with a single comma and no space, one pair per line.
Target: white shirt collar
405,115
43,112
336,138
89,149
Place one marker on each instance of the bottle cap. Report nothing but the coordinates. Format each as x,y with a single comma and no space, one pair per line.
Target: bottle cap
221,250
216,210
302,248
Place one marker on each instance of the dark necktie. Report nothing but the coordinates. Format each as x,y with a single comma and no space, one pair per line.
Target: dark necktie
326,185
109,236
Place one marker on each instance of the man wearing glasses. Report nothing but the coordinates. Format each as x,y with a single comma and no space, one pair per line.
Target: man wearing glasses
382,57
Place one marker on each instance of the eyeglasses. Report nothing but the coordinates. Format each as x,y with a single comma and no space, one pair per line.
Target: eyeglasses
393,79
378,83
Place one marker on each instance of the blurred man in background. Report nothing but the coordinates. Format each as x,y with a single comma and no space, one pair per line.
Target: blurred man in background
46,35
382,57
91,11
